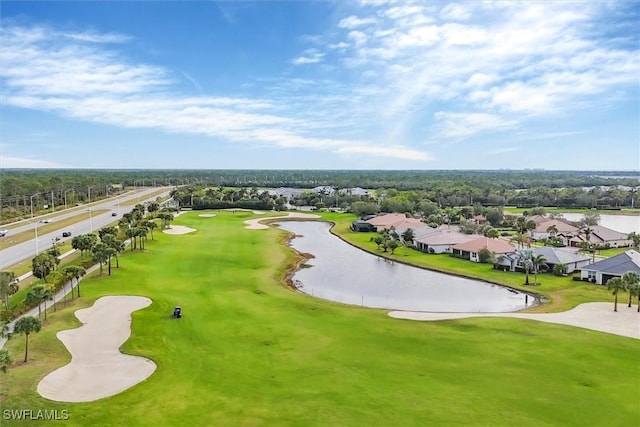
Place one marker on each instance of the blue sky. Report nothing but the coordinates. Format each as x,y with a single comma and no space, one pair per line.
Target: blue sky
321,85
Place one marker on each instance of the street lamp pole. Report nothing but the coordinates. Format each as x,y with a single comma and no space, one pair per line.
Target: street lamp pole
36,224
65,197
90,221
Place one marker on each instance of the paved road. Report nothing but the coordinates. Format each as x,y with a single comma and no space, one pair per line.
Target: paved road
28,249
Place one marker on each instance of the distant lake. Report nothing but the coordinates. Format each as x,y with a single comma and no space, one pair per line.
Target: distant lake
621,223
343,273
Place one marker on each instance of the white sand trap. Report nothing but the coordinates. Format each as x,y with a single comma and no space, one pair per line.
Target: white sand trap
207,215
254,224
598,316
179,229
97,368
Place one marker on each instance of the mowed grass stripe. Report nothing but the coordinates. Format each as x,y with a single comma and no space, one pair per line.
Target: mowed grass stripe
250,351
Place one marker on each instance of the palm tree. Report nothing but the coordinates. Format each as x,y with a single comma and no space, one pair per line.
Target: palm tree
521,239
615,284
35,296
552,230
8,286
631,281
393,245
635,239
408,236
538,261
26,325
559,269
152,225
78,272
111,241
525,258
100,254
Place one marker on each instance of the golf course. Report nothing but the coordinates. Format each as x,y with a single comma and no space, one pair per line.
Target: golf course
251,351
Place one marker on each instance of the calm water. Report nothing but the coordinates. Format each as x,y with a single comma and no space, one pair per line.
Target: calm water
340,272
621,223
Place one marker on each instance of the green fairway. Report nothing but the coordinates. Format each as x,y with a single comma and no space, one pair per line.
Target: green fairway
251,352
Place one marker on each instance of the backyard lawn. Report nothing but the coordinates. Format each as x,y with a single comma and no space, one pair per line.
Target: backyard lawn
251,352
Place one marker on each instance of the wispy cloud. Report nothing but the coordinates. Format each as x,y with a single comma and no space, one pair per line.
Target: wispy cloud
496,64
80,79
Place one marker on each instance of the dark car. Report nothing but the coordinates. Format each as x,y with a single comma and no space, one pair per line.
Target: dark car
114,214
66,234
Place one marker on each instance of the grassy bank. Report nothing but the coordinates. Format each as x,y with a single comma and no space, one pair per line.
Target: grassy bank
250,351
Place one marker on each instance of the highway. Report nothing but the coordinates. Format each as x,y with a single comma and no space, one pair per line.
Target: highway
28,249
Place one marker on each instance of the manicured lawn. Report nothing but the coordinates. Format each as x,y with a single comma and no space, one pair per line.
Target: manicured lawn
250,351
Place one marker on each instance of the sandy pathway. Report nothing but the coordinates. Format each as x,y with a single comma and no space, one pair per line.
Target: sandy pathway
254,224
598,316
97,368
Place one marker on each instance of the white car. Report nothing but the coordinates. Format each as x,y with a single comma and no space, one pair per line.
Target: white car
45,221
3,232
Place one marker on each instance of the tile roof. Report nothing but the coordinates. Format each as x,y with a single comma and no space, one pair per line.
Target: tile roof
618,265
396,220
445,237
497,246
562,226
559,256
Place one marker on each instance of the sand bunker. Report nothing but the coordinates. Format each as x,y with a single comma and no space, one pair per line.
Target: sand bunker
97,368
254,224
207,215
179,229
598,316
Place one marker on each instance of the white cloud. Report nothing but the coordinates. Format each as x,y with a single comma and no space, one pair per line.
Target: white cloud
75,78
354,22
455,12
462,125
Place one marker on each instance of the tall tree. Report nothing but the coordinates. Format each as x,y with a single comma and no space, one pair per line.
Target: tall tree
616,285
112,242
8,286
538,262
42,264
100,254
27,325
525,259
631,281
74,272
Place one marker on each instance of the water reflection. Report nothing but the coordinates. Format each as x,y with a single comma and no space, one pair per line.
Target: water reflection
621,223
340,272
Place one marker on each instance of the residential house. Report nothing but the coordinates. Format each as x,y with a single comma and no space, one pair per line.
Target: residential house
395,221
470,250
602,236
288,193
600,272
562,229
571,259
441,240
355,191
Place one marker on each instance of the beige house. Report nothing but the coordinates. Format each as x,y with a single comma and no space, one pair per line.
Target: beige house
441,240
471,249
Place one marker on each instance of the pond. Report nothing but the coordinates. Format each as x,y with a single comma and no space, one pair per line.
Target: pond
621,223
343,273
